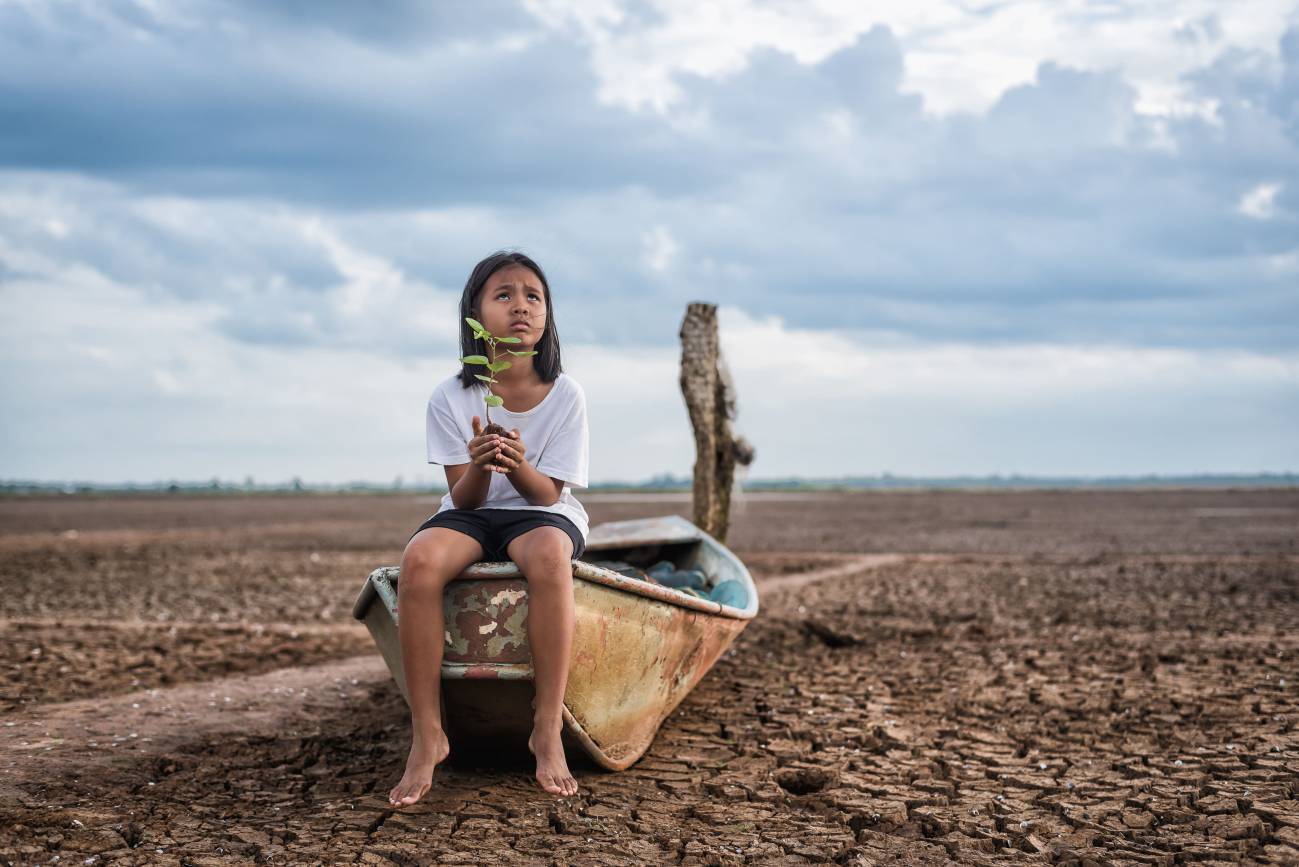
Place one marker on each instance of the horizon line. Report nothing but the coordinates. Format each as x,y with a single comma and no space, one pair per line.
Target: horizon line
670,482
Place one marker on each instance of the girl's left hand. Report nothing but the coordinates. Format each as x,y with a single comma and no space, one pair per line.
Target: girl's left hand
512,451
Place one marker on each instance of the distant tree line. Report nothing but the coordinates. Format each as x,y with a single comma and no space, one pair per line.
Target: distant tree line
666,482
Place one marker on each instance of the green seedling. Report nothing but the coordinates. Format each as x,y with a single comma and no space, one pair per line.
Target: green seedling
495,364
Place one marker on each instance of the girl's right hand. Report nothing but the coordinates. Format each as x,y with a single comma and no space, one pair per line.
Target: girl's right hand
484,448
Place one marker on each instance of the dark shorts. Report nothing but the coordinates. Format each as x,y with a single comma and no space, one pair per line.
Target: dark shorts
494,529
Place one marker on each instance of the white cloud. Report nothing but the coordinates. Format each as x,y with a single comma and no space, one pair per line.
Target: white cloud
270,273
660,248
638,422
371,284
160,393
961,408
1028,272
959,57
1260,202
160,389
167,382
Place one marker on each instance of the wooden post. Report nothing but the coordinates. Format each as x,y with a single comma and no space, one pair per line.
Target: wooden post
710,397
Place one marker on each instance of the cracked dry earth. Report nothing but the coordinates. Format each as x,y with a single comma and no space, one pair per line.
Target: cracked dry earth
1082,677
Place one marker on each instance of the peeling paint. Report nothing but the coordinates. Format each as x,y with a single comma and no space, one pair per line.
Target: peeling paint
508,597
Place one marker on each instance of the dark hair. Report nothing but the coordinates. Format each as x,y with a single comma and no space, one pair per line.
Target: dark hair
546,362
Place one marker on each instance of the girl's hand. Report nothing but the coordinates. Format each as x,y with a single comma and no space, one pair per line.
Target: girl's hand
484,448
512,451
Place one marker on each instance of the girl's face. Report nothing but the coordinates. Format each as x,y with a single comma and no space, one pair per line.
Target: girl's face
513,304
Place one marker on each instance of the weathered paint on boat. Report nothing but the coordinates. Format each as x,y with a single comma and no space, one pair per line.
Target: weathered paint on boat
638,648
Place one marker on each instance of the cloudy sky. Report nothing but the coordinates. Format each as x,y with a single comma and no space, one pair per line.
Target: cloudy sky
1035,236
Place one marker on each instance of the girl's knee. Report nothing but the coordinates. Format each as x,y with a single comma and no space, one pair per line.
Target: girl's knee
549,557
424,568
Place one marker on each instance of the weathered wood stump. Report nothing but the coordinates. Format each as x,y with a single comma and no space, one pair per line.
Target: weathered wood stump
710,397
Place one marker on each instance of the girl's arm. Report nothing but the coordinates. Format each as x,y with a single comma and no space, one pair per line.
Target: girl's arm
533,485
468,483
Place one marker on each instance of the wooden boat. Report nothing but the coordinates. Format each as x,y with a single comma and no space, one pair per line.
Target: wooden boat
638,647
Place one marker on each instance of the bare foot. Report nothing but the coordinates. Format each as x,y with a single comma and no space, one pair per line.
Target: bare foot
426,751
552,768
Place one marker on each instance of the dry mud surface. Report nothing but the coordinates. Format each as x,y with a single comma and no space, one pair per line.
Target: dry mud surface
1083,677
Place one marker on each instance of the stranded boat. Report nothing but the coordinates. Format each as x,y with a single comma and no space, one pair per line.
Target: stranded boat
638,648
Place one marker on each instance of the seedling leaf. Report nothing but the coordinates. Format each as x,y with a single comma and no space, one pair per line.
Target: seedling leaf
475,324
483,378
522,354
494,400
508,340
474,359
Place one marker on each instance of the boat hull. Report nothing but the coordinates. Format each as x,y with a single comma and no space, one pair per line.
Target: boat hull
638,650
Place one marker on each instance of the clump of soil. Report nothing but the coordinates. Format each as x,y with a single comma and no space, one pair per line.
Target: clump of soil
494,428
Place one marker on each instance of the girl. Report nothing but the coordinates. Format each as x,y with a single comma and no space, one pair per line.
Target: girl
508,497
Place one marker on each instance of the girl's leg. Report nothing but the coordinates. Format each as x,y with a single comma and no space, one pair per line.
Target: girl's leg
545,555
432,558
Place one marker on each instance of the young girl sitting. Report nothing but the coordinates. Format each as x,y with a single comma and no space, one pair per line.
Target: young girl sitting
508,497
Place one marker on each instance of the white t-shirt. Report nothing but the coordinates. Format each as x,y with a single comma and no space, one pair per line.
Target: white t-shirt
554,433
